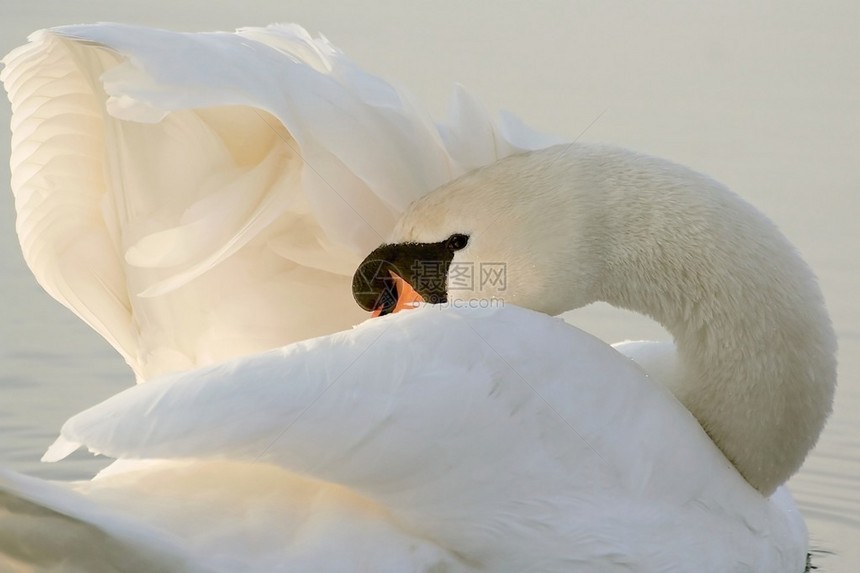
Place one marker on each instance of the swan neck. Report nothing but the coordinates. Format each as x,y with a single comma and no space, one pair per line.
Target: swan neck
755,346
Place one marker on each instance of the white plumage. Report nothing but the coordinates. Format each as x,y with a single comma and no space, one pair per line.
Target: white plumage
498,440
196,197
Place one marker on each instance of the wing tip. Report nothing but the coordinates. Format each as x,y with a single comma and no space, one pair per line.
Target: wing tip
60,449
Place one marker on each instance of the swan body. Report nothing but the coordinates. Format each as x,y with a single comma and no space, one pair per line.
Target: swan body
439,439
470,434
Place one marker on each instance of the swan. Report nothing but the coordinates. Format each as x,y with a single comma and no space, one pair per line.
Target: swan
450,438
601,467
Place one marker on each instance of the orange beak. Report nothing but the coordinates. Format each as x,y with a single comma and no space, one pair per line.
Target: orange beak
407,297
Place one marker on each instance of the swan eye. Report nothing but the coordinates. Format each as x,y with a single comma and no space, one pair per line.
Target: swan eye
457,241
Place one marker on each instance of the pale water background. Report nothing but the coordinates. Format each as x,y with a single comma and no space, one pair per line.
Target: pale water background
765,98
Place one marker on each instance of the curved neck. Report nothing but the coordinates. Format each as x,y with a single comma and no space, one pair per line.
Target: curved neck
755,345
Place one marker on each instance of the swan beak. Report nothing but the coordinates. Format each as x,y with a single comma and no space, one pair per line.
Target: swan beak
396,296
395,276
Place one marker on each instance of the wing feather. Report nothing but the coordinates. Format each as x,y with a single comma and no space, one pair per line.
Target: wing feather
422,411
169,186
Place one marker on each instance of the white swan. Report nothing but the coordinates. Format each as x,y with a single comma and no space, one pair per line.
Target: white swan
467,440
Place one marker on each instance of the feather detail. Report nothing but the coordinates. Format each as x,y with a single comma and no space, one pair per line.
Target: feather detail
168,200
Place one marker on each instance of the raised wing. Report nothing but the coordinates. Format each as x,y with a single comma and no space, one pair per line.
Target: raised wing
195,197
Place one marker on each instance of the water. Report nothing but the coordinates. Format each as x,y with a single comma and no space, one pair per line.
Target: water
765,98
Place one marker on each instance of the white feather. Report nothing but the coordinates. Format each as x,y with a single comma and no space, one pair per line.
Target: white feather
472,431
195,197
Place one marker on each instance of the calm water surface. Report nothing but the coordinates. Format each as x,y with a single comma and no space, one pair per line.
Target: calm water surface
765,99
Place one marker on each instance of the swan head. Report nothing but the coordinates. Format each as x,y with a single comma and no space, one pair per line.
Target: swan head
509,232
